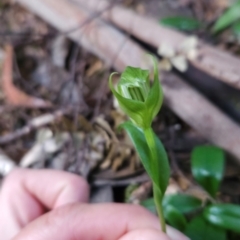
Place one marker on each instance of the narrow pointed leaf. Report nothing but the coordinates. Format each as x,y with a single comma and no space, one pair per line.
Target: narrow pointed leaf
228,18
183,202
155,97
160,172
200,229
208,167
226,216
181,23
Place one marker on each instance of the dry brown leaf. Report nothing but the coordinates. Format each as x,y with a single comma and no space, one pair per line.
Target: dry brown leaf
117,163
96,67
124,153
118,117
13,95
183,182
100,121
108,160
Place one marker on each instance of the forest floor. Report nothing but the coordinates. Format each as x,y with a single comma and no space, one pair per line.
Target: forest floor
57,111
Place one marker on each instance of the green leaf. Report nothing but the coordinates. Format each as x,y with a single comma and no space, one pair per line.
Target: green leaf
228,18
183,202
181,23
236,29
208,167
199,229
175,218
158,173
150,205
224,215
155,97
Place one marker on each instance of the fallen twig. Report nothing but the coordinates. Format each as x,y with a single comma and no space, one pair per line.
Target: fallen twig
32,125
211,60
124,182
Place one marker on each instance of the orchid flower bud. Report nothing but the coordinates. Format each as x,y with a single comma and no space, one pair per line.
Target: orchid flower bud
136,97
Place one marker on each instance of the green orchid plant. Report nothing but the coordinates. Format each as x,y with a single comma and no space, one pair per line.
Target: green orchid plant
141,101
201,217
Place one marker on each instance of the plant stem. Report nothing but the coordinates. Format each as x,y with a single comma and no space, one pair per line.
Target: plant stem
157,196
150,138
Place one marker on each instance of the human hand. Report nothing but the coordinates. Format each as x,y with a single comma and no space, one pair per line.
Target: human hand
28,194
47,204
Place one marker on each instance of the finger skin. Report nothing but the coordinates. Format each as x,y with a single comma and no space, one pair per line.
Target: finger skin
27,194
145,234
95,222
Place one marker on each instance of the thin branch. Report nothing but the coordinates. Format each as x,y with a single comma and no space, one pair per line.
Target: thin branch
33,125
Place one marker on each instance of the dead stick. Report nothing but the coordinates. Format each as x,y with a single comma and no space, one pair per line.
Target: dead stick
32,125
213,61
